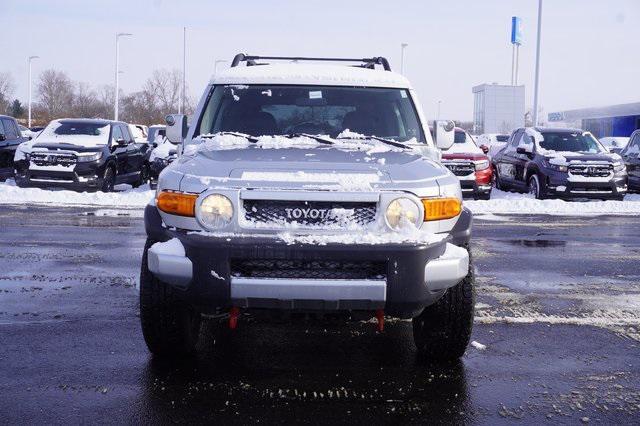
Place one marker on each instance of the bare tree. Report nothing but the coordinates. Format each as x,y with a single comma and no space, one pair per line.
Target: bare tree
7,86
55,93
85,102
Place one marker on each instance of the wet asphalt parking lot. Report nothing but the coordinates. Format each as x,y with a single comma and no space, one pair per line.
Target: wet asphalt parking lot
558,309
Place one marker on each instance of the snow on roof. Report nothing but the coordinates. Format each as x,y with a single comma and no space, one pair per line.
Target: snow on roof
311,74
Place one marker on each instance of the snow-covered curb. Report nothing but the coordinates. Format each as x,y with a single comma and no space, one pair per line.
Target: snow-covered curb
511,203
136,198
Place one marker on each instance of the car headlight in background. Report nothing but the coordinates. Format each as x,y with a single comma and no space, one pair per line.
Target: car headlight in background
441,208
556,167
215,211
85,158
481,164
401,212
618,166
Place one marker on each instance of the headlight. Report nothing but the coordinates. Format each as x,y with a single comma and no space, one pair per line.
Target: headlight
85,158
618,166
215,211
555,167
481,164
401,212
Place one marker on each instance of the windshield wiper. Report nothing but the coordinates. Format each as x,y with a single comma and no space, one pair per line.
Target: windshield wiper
307,135
379,139
250,138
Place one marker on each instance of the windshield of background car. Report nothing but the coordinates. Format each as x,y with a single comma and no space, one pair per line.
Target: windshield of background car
318,110
77,133
502,138
571,142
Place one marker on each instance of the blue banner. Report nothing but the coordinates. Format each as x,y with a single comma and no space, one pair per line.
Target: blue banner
516,30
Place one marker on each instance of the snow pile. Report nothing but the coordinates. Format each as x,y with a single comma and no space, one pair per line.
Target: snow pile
12,194
345,181
512,203
173,247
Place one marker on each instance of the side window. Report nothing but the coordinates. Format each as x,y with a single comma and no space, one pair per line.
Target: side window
10,129
516,139
2,131
634,144
126,134
116,134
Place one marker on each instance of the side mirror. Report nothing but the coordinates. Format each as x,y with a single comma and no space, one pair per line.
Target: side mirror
2,137
444,133
484,148
176,127
523,149
121,142
154,144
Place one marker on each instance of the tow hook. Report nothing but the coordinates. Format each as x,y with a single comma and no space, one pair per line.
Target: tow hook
380,318
234,313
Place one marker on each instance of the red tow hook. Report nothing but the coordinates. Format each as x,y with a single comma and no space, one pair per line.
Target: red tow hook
380,318
234,313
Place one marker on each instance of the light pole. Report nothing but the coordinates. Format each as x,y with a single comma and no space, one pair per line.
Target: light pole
115,108
438,116
215,65
402,47
30,59
537,78
184,70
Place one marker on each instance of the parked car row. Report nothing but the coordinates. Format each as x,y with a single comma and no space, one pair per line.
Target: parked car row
83,154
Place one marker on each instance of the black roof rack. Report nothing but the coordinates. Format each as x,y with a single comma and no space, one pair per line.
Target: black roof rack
366,62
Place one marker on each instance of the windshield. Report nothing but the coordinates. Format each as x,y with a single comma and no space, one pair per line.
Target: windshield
136,132
316,110
77,133
571,142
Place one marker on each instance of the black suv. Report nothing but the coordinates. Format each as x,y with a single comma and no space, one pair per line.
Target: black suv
566,163
84,154
631,157
10,138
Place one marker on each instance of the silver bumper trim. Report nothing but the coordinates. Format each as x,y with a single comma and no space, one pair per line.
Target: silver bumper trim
176,270
447,270
308,289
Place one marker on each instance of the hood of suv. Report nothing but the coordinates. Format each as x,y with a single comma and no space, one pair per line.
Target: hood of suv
61,146
305,167
583,157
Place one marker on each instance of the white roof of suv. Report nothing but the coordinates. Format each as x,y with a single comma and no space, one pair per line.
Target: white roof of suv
311,74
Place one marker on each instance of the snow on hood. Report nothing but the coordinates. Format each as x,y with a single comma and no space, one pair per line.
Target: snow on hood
564,158
463,148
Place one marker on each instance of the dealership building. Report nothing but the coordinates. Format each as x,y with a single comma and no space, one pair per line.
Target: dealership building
497,108
612,120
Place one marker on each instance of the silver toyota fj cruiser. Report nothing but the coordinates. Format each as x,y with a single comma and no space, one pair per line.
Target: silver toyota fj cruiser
307,188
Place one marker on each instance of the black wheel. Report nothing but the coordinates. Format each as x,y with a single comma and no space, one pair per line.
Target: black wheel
535,187
144,176
170,326
109,180
442,331
497,181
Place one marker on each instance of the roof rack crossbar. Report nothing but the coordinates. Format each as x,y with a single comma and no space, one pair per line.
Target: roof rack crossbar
367,62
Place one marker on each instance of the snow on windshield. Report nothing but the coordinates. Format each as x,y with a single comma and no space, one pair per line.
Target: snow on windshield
75,133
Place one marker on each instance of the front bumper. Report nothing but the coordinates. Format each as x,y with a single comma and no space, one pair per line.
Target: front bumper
564,188
414,275
471,188
83,177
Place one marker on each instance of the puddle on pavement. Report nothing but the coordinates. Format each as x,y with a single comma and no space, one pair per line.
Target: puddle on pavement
537,243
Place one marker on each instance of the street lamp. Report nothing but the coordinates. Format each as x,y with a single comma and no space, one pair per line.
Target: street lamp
438,116
402,47
30,59
537,80
118,35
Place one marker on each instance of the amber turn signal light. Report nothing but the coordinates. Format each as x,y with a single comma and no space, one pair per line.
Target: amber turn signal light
441,208
177,203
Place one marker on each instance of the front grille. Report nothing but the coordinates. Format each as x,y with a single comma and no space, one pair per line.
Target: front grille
309,213
591,170
308,269
460,169
46,159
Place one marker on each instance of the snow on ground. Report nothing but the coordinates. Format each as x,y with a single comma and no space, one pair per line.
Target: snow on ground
512,203
132,198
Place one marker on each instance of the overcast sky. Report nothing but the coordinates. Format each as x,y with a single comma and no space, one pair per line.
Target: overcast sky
590,48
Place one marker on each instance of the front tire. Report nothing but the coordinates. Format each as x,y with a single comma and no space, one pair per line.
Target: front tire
535,188
442,331
144,176
109,180
170,327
